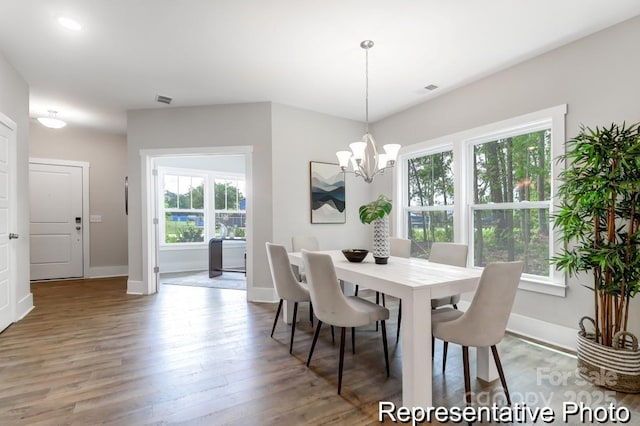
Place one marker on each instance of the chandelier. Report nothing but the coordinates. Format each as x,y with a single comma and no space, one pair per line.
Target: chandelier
364,157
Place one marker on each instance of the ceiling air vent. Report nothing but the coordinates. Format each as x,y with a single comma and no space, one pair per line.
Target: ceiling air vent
163,99
431,87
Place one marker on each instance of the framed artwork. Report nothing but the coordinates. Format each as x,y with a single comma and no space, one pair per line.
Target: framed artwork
327,193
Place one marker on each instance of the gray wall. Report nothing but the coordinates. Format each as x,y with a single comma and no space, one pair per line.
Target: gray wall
598,77
107,155
301,136
208,126
14,103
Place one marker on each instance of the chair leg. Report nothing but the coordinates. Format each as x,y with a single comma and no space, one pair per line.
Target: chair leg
467,379
313,344
353,340
293,325
496,358
433,347
333,336
399,319
311,313
384,345
444,356
341,360
356,292
384,303
275,321
377,303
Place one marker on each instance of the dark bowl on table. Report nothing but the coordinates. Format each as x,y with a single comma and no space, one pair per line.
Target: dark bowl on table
355,255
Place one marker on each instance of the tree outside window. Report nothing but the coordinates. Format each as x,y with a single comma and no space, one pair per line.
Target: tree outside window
511,199
429,213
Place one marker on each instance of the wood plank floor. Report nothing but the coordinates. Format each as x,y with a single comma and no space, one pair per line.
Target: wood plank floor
90,354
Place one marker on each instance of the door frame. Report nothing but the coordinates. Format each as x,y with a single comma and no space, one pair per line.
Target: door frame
149,203
86,252
12,225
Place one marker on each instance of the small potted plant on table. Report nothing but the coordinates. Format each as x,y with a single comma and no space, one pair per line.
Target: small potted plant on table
377,213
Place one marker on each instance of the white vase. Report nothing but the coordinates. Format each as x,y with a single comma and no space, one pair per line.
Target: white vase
381,247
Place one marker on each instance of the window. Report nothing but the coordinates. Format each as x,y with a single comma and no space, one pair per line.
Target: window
502,177
429,206
184,214
510,202
199,205
230,204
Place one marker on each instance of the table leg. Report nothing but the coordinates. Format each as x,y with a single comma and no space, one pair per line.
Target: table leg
416,350
485,367
287,312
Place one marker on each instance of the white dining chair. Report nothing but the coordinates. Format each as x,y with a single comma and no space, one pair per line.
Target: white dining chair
485,322
334,308
299,243
399,247
286,285
449,254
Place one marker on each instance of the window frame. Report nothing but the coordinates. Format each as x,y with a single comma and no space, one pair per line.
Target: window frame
462,145
173,171
404,199
209,210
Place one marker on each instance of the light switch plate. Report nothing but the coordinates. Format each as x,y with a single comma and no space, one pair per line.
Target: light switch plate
95,218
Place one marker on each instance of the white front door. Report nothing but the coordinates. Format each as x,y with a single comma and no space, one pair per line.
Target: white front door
55,193
7,221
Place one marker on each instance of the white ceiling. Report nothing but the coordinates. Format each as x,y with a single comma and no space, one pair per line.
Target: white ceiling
295,52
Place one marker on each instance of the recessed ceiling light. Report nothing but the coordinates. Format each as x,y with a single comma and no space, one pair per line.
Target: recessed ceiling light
69,23
51,121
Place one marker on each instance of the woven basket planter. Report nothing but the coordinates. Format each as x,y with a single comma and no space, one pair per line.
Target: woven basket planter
616,368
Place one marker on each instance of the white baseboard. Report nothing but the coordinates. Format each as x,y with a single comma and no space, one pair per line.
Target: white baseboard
554,334
108,271
136,287
25,305
261,294
182,267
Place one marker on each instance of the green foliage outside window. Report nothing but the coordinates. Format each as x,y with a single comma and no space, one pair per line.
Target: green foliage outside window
514,169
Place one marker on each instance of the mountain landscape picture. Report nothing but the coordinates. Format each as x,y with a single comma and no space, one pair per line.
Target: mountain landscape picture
327,193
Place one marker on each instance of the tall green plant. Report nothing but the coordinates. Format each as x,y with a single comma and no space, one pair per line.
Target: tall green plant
599,219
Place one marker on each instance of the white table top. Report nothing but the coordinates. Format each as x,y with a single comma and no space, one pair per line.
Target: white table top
400,274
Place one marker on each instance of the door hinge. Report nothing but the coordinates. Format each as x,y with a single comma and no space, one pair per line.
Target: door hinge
156,269
155,221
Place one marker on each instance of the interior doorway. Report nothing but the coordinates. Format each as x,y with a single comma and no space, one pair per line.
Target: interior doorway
202,220
180,219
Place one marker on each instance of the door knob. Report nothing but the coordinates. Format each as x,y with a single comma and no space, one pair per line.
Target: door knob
78,228
13,236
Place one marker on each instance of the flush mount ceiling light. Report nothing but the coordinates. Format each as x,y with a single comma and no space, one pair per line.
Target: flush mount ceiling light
51,121
364,157
70,24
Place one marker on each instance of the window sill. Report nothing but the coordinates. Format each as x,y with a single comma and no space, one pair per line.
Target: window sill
542,286
183,246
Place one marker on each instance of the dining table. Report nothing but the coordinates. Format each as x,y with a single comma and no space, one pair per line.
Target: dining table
415,281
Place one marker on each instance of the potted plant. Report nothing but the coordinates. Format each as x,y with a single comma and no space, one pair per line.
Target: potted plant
599,217
377,213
